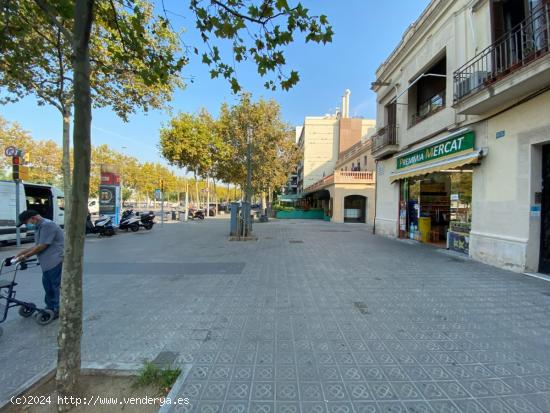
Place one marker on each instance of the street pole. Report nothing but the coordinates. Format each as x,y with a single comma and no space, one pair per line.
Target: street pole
17,211
186,214
162,204
248,194
207,198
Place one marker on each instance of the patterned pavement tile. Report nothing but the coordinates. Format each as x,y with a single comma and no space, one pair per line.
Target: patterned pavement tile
307,330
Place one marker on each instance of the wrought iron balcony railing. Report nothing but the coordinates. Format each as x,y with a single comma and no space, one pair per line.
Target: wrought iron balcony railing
526,42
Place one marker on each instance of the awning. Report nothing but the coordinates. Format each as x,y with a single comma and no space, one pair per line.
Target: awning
449,163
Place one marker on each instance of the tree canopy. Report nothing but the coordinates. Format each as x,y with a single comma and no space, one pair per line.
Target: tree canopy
274,154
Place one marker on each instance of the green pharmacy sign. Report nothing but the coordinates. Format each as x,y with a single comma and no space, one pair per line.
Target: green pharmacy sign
442,149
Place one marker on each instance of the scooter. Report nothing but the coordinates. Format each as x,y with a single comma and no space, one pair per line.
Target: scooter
195,214
129,221
7,294
147,220
102,226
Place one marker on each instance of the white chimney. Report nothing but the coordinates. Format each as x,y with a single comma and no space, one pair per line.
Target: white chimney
346,100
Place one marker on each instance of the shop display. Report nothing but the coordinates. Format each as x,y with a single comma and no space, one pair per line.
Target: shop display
436,208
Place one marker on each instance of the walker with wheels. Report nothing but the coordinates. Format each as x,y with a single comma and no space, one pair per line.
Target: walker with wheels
42,316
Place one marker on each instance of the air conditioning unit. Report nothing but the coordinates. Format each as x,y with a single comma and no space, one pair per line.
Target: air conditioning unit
470,83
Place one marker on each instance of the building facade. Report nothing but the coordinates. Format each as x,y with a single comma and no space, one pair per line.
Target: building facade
463,156
323,138
348,193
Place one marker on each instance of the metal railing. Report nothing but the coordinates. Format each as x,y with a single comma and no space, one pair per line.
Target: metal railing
354,150
526,42
384,137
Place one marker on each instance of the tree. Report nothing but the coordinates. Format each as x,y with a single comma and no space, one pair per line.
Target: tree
70,329
274,154
259,31
35,59
190,142
45,155
225,20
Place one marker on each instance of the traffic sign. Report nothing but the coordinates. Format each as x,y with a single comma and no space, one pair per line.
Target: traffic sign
23,173
10,151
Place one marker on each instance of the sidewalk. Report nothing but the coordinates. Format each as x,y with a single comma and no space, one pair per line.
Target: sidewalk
312,317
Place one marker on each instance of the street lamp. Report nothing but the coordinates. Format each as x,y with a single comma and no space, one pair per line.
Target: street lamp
122,177
248,195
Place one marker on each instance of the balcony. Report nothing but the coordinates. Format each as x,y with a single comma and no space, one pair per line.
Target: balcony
354,151
514,66
343,177
384,143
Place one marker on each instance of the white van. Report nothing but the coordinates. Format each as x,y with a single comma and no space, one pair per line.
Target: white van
47,200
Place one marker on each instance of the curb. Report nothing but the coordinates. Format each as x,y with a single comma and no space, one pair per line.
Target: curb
176,388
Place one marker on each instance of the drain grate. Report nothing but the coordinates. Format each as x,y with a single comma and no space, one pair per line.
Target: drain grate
296,241
361,306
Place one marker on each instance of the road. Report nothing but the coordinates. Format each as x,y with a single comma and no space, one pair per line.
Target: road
313,317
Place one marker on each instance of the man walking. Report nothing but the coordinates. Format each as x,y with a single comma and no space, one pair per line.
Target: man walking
49,241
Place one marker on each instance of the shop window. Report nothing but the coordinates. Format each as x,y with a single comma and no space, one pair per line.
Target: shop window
436,208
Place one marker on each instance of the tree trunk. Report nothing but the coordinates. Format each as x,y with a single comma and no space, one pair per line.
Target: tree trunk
66,161
264,201
207,215
215,197
70,326
197,191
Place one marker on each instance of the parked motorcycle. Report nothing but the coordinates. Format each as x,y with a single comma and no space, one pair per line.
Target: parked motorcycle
195,214
102,226
147,220
129,221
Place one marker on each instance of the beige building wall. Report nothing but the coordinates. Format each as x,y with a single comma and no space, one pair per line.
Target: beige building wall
504,232
320,148
339,192
321,143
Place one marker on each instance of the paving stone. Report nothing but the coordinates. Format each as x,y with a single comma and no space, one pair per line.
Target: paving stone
277,327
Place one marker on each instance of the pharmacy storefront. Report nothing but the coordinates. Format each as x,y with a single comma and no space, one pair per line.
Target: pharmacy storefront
435,191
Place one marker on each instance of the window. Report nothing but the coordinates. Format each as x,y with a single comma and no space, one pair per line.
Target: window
427,95
365,161
61,203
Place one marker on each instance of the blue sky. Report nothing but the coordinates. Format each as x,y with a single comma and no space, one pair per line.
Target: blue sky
366,31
